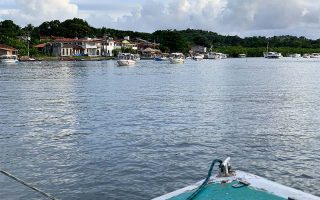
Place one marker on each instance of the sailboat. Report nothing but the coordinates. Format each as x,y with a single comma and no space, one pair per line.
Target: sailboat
271,54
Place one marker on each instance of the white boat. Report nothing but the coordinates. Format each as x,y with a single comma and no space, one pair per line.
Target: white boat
198,57
176,58
9,59
235,184
306,55
295,55
126,59
216,55
136,57
315,55
272,54
242,55
163,57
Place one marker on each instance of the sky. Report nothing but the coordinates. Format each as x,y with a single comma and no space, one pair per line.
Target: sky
227,17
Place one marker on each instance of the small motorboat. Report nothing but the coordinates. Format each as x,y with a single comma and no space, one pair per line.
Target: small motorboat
176,58
306,55
294,55
163,57
242,55
9,59
216,55
236,185
198,57
315,55
126,59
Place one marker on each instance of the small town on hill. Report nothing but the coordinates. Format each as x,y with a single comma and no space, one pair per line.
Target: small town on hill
76,38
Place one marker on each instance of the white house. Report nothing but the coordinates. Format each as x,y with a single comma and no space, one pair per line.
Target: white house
75,46
108,47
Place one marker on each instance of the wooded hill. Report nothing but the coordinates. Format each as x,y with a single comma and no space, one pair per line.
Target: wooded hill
170,40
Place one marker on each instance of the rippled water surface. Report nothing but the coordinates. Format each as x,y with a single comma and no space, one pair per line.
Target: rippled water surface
92,130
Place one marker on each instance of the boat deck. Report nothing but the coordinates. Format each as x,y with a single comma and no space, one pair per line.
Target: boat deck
220,188
225,191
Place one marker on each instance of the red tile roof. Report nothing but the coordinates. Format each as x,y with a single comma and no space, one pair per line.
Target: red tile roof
6,47
77,40
73,46
40,45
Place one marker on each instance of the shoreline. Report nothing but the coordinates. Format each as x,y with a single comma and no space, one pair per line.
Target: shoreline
100,58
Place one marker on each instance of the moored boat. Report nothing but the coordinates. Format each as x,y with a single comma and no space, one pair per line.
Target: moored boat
216,55
306,55
236,185
198,57
136,57
163,57
176,58
271,54
242,55
9,59
295,55
315,55
126,59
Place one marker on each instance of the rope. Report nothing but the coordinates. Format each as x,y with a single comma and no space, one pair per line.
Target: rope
28,185
205,182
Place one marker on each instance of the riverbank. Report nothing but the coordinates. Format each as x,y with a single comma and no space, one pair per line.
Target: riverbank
73,58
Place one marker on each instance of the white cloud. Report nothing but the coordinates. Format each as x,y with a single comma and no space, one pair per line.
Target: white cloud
38,11
242,17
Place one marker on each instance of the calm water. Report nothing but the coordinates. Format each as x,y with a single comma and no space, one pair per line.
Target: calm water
92,130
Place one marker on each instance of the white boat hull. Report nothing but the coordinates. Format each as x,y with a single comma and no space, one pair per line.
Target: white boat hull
197,58
213,57
255,181
126,62
9,61
176,60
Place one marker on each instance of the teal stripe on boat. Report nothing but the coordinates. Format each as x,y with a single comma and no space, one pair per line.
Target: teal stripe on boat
217,191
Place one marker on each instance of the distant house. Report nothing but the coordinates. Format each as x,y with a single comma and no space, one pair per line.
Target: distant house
7,50
144,44
126,37
125,44
41,47
59,46
199,49
75,46
149,53
129,45
108,47
71,50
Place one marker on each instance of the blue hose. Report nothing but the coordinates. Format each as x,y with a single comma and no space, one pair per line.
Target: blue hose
205,182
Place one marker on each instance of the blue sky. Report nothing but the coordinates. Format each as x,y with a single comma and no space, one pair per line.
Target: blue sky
229,17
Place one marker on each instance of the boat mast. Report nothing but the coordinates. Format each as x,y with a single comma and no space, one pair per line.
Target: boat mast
28,38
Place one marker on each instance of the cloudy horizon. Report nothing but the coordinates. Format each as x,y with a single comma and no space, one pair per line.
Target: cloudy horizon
227,17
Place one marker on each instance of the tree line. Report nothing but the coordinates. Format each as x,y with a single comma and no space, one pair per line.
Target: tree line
170,40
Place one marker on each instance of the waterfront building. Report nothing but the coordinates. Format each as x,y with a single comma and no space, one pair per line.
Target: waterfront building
150,53
77,47
144,44
108,47
7,50
60,46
